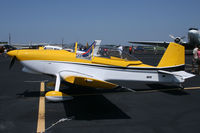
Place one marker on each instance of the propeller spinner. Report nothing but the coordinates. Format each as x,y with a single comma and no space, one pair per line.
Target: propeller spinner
13,54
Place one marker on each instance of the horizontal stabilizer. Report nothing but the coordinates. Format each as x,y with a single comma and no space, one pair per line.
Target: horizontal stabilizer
183,74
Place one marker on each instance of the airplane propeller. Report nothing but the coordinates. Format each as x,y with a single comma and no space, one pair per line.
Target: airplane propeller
177,39
12,62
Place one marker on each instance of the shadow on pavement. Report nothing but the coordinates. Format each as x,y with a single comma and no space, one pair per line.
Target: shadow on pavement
95,107
172,90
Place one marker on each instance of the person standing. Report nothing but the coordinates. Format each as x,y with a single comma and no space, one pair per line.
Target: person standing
130,49
194,59
120,49
198,60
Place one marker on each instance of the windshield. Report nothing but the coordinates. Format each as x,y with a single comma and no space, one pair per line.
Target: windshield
107,51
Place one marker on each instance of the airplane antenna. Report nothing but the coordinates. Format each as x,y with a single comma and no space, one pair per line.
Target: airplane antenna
31,43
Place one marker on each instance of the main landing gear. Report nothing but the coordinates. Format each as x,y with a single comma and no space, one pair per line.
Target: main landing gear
181,86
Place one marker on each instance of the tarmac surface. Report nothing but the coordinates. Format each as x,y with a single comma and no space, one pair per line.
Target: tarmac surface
151,108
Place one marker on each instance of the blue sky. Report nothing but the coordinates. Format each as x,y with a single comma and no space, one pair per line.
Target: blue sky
113,21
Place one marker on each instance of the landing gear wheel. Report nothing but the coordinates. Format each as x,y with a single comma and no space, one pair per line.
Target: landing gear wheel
181,86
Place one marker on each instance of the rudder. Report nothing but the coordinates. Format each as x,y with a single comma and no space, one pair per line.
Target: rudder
173,56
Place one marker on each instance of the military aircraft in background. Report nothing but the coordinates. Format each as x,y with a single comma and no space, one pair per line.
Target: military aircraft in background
92,70
193,40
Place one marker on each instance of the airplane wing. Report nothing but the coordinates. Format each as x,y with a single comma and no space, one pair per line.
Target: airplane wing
86,80
157,43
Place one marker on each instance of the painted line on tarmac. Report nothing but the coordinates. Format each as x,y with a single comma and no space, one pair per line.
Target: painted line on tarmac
192,88
172,89
41,110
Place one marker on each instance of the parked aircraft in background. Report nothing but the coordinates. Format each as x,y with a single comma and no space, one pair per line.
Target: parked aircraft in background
52,47
193,40
89,50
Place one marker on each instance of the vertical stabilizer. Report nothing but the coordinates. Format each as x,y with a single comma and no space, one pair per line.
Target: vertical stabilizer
76,45
173,56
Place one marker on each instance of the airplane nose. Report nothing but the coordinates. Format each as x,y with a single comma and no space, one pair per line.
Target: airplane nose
12,53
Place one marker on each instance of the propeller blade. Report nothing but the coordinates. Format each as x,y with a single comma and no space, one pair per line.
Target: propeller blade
12,62
172,36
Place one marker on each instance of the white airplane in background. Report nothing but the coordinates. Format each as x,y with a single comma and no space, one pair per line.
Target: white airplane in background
78,52
193,40
99,72
88,51
52,47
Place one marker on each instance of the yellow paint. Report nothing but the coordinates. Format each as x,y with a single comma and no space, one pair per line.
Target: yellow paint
173,56
116,58
122,63
141,66
41,48
170,58
52,84
50,55
92,51
76,46
55,93
13,52
83,81
62,55
41,112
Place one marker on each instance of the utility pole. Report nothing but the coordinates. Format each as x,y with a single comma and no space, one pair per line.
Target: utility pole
62,42
9,39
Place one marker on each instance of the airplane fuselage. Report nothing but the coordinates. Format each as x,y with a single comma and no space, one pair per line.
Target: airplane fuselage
194,37
53,62
100,72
